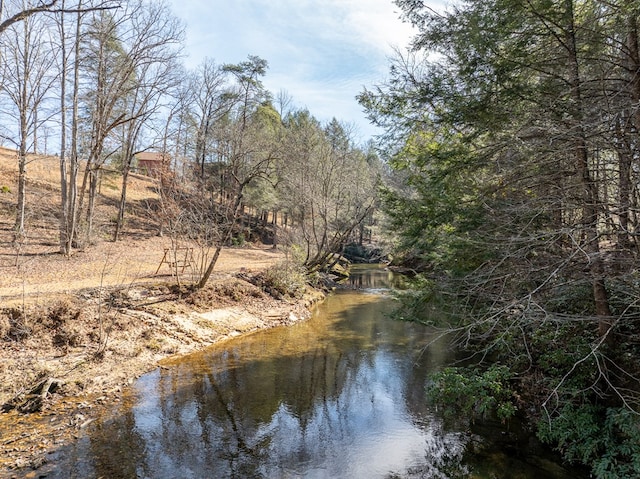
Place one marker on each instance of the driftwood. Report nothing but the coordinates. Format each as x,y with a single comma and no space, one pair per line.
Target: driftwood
32,400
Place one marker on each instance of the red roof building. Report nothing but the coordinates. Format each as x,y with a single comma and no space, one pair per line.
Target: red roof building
152,163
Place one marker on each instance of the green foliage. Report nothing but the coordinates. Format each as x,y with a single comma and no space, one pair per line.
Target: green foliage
557,347
238,240
623,294
420,297
572,298
469,393
501,189
435,214
606,439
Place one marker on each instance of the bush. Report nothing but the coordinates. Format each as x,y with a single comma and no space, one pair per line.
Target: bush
469,393
605,439
60,313
286,278
18,327
238,240
572,298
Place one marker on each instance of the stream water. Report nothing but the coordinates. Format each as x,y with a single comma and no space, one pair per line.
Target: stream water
339,396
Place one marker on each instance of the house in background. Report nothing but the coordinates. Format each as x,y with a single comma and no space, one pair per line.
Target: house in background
152,163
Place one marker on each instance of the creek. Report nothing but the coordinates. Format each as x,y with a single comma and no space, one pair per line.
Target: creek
341,395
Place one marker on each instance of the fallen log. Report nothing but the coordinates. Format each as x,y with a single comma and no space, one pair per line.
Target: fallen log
32,400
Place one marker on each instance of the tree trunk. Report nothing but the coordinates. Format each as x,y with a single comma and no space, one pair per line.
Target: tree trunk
72,195
22,150
589,188
22,193
35,131
226,237
93,191
625,164
64,193
123,200
624,197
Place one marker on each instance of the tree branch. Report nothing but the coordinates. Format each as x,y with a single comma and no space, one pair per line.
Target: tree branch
48,7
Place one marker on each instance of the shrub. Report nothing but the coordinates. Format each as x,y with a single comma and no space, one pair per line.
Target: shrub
60,313
605,439
66,337
462,392
286,278
18,327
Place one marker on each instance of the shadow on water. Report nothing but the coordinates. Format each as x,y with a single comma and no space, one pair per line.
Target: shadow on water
341,395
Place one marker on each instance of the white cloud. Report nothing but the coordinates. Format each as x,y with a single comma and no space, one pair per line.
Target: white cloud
321,51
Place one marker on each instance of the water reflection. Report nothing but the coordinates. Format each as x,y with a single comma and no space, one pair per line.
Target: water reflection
339,396
372,278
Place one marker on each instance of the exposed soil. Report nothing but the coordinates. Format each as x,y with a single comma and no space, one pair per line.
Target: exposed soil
84,327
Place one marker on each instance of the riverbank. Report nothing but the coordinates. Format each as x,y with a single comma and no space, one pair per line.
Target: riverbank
76,330
76,354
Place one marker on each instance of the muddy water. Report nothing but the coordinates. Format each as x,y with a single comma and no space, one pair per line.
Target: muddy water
338,396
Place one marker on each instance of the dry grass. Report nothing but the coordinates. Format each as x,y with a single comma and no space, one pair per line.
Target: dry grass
35,270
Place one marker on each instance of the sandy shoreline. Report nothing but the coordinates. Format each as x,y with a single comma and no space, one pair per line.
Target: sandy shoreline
141,325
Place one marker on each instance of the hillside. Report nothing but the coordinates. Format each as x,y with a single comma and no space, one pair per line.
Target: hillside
85,326
35,269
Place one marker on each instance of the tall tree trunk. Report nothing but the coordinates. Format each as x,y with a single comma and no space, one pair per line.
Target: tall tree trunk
64,193
22,165
624,193
19,229
93,191
123,202
126,168
72,196
35,131
633,68
590,201
634,63
22,148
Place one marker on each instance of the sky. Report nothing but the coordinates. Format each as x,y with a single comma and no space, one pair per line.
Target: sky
321,52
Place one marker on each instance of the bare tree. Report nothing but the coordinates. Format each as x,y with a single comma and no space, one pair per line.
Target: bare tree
28,76
69,179
211,101
154,77
23,12
116,45
328,185
69,166
248,146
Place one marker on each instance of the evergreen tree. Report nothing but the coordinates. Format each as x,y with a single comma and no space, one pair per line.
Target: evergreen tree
511,123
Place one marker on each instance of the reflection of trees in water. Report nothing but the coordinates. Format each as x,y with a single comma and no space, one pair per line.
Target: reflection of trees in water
233,430
373,278
442,460
343,394
112,439
268,404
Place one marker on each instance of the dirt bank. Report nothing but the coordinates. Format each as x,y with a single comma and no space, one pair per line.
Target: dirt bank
83,347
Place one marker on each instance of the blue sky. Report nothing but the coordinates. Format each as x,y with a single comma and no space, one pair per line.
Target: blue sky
321,52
